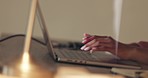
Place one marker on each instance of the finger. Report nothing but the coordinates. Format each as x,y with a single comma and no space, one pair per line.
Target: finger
104,39
95,43
85,48
88,45
86,35
84,38
101,49
88,39
92,42
98,38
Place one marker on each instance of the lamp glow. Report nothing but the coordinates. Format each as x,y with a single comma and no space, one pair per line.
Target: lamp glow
25,65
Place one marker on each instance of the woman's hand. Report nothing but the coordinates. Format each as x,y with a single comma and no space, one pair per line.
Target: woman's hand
106,43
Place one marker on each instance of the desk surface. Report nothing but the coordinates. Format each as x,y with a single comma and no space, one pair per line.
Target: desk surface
42,65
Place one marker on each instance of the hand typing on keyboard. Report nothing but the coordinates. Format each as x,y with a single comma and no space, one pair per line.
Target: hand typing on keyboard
134,51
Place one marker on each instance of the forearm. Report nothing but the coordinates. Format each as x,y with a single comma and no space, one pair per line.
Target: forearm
140,55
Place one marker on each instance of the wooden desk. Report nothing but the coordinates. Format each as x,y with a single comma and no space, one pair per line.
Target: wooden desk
42,65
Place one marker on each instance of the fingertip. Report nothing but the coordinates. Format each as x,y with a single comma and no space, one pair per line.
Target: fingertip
87,48
84,41
91,51
83,47
86,34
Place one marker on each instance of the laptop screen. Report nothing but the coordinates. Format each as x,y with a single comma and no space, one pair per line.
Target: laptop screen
45,32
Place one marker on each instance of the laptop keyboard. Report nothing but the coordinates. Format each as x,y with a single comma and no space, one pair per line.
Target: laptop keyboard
74,54
81,55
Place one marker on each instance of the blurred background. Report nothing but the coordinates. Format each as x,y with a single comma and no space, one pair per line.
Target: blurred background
69,19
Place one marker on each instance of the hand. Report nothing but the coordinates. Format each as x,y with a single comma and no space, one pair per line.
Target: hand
98,43
106,43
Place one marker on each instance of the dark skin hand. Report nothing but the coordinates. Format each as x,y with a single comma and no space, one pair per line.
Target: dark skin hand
134,51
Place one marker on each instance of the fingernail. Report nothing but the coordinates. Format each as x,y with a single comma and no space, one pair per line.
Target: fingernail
87,48
83,41
83,47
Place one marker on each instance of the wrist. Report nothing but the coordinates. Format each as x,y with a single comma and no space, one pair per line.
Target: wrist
133,53
139,55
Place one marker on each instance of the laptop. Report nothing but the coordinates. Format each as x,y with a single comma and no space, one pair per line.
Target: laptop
80,57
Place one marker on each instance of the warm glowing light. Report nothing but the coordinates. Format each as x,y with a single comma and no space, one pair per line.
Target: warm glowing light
25,65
